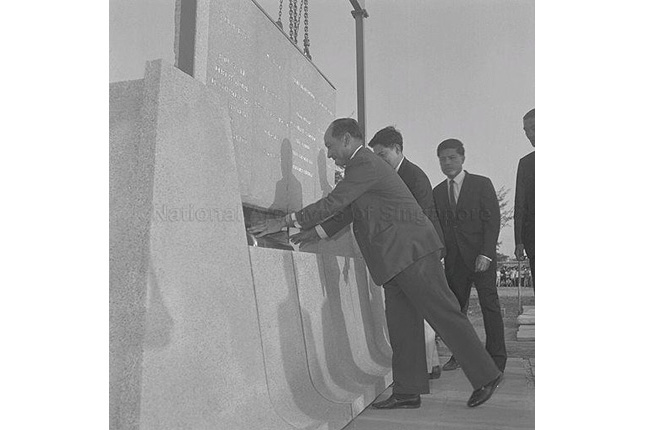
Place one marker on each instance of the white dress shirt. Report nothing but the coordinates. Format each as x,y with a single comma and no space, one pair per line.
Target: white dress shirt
398,166
459,180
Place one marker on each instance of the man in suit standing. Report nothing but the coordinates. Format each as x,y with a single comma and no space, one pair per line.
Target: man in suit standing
469,214
387,143
402,251
524,217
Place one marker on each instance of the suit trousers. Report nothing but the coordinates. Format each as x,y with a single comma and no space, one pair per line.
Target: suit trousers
421,292
460,278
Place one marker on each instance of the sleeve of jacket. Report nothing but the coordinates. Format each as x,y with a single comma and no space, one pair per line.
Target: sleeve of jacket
520,203
422,191
442,215
339,220
491,219
360,175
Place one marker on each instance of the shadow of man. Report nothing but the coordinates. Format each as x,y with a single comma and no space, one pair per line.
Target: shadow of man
288,195
288,190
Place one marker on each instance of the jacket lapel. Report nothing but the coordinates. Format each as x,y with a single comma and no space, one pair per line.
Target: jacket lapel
404,165
443,194
465,188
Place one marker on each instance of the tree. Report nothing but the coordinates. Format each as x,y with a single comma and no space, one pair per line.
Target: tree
505,209
506,213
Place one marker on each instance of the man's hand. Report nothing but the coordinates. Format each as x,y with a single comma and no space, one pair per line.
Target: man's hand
481,264
268,226
519,251
305,237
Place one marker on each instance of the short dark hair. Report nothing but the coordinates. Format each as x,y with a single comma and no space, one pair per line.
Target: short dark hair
530,114
388,137
341,126
451,144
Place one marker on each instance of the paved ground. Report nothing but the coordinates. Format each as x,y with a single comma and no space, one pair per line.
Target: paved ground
512,406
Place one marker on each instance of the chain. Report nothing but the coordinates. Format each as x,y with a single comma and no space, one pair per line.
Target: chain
279,21
306,41
298,21
295,15
291,18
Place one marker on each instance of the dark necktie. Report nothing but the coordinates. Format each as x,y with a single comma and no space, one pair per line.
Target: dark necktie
453,203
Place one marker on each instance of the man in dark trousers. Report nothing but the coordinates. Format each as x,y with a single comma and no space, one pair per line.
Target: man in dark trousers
524,217
387,143
469,214
402,251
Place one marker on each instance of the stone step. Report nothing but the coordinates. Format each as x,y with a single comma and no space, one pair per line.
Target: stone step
526,319
526,332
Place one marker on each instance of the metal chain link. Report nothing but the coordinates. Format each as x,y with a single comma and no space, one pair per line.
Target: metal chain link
306,41
291,18
295,15
279,21
299,10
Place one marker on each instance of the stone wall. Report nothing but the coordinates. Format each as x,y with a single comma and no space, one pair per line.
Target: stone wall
206,332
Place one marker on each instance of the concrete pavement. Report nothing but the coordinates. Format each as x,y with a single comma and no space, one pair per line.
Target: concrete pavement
512,407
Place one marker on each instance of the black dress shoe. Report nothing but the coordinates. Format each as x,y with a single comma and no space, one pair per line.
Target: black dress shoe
451,364
436,373
394,402
484,393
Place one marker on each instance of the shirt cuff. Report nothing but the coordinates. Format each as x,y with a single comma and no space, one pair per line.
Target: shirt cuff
321,231
489,259
294,220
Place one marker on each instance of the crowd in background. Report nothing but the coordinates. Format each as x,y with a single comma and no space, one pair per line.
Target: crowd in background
510,276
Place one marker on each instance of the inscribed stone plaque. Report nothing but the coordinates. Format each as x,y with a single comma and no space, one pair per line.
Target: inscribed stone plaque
279,104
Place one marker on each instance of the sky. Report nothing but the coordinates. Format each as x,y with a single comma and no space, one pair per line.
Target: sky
435,69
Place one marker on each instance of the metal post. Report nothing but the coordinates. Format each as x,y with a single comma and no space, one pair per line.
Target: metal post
359,13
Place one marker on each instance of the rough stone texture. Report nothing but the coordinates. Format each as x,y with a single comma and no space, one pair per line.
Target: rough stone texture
282,322
355,297
380,333
328,351
344,361
130,196
185,349
202,334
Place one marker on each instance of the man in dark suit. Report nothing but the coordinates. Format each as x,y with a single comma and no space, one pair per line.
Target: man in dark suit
524,217
387,143
402,251
469,214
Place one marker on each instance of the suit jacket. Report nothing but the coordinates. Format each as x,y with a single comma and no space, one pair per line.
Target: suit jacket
524,217
390,227
473,229
421,188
